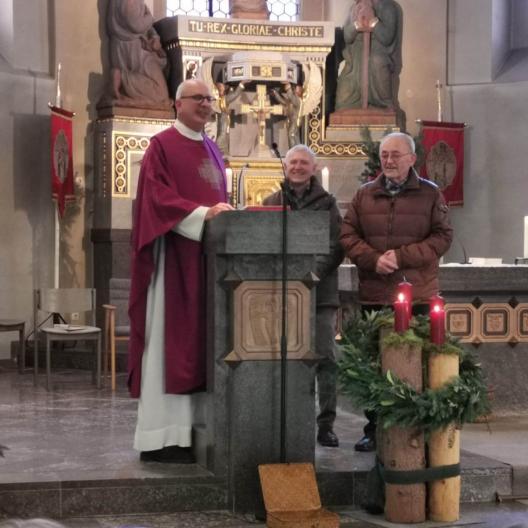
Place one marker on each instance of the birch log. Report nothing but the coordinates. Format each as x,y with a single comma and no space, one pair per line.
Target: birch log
444,447
404,448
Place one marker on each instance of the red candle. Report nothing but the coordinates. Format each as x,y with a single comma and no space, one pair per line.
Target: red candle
436,300
405,288
437,316
401,314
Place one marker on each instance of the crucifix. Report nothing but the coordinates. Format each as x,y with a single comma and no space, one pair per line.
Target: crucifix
263,110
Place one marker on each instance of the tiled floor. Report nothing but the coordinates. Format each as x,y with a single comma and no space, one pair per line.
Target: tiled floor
76,432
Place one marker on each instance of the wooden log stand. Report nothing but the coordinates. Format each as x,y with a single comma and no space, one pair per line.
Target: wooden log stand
444,447
403,449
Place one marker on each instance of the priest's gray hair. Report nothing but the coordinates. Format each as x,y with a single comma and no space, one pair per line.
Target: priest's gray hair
179,90
301,148
401,135
182,85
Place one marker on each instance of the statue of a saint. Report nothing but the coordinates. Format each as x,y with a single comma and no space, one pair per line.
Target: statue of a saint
291,99
136,57
383,20
255,9
225,96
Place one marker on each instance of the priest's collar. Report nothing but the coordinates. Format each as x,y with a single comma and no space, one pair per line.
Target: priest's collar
184,130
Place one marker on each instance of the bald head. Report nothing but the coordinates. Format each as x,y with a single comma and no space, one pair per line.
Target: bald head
188,86
193,104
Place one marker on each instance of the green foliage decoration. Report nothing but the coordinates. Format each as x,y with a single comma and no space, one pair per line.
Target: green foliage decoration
395,402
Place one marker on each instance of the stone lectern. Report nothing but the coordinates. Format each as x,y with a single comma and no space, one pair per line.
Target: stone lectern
242,421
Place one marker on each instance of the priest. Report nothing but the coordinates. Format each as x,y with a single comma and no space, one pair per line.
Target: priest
181,185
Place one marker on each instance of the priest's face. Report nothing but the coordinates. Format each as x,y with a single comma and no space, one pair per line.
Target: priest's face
193,108
396,159
300,166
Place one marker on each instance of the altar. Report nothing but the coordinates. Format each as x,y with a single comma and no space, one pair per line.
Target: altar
487,309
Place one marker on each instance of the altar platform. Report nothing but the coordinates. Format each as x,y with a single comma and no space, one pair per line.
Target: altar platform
70,455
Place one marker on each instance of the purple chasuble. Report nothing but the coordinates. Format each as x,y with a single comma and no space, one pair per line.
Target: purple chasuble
177,175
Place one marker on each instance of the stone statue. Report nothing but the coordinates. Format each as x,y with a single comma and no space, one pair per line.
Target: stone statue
136,57
383,20
299,100
256,9
225,96
291,99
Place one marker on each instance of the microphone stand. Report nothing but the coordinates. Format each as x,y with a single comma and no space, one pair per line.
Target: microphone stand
284,313
240,185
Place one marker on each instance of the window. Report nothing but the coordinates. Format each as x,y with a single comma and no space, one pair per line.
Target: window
286,10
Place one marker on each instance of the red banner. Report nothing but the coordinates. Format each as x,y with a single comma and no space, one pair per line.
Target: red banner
61,157
444,158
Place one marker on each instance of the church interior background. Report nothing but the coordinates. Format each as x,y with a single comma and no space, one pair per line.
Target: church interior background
476,49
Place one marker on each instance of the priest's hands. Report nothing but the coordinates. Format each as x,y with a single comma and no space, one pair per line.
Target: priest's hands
220,207
387,263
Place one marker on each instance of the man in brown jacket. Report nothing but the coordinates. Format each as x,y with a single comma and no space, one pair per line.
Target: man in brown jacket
396,228
303,191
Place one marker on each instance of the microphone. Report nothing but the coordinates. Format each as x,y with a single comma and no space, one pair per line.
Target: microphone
275,149
240,187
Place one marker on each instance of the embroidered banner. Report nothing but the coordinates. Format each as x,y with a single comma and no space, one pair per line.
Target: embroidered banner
444,158
61,157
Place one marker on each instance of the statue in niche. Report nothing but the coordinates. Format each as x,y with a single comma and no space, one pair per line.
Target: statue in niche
136,57
383,21
300,100
255,9
291,99
225,96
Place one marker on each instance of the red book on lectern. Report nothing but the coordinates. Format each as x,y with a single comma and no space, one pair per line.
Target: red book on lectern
265,208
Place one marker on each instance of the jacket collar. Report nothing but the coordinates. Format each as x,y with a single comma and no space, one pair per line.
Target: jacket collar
412,182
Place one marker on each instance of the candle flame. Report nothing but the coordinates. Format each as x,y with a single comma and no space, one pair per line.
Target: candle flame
401,297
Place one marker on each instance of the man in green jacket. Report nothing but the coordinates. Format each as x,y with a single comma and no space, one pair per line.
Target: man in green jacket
302,191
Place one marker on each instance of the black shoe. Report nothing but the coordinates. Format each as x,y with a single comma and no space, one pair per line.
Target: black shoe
366,445
327,438
169,455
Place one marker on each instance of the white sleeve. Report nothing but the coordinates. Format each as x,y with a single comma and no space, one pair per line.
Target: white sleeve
192,225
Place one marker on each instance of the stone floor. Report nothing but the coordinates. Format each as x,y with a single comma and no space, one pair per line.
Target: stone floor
76,433
511,515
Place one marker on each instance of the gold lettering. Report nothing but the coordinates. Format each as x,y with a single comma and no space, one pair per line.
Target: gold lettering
224,28
192,23
319,32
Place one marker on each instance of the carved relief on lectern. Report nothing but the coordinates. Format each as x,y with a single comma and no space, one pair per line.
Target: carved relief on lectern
257,321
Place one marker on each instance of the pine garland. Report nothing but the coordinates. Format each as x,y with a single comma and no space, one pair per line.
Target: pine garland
395,402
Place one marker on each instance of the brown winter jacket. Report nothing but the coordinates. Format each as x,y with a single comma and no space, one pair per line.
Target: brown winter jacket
414,223
315,198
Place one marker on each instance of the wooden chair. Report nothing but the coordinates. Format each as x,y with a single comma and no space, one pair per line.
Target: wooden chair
112,334
17,325
65,301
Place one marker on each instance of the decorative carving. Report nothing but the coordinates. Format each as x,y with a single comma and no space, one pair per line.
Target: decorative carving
257,321
123,145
